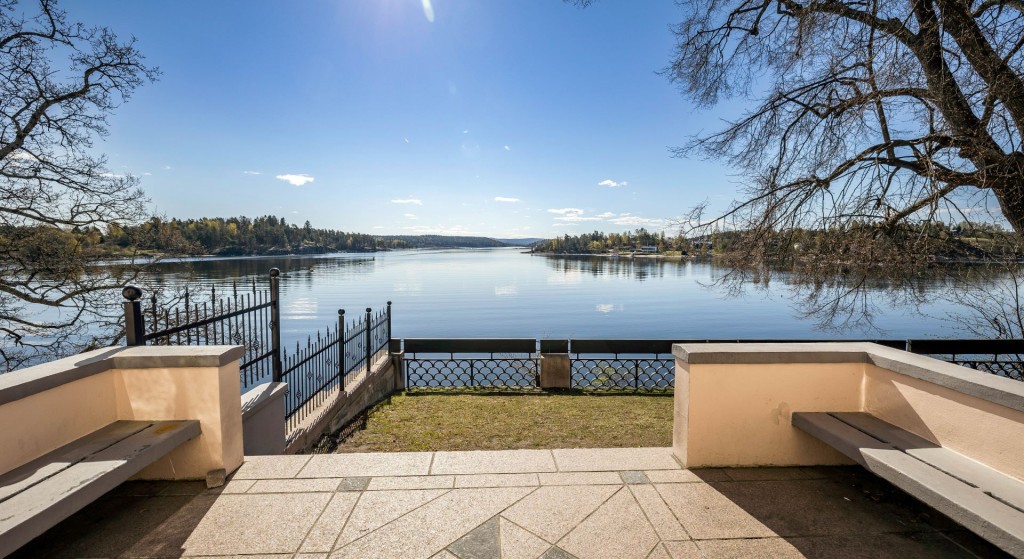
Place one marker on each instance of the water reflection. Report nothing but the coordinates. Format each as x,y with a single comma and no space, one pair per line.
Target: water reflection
639,269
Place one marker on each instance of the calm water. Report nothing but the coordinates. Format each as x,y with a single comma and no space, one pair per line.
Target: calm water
504,293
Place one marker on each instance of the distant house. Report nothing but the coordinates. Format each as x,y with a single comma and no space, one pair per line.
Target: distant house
649,249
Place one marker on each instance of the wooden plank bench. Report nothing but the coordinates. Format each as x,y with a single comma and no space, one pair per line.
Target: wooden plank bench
982,499
38,495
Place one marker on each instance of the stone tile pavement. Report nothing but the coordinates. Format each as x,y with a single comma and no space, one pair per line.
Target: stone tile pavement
522,504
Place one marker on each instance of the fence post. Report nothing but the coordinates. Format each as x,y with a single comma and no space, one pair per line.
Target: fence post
134,323
369,337
389,325
275,322
341,347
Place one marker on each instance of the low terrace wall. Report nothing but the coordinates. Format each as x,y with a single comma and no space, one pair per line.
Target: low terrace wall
49,405
734,402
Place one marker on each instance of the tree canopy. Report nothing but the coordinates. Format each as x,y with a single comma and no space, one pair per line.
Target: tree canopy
59,81
881,112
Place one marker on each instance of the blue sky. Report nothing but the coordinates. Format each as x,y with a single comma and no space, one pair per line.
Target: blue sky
511,118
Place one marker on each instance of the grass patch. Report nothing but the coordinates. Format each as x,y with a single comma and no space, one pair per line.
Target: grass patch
501,421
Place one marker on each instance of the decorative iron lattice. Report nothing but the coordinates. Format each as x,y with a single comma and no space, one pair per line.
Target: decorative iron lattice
1011,367
643,375
501,373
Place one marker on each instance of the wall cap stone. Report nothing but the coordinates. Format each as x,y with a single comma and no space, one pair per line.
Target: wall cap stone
992,388
23,383
259,396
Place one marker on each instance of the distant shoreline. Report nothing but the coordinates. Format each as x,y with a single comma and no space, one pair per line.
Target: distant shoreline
645,256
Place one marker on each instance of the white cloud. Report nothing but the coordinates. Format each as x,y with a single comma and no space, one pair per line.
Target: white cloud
508,148
167,167
605,215
410,216
629,220
428,10
465,131
440,230
416,201
566,211
23,155
406,139
147,174
111,176
253,173
575,218
611,184
504,199
296,180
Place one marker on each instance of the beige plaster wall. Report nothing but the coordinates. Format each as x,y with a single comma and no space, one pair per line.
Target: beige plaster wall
46,421
985,431
740,414
211,395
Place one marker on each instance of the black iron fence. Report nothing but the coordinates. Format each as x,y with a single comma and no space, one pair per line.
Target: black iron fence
316,373
629,365
249,318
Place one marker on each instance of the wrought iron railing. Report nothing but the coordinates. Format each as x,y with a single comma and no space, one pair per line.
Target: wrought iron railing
508,363
316,373
630,365
240,318
640,365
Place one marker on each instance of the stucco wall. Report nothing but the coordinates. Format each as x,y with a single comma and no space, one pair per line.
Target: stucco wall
46,407
985,431
740,414
734,402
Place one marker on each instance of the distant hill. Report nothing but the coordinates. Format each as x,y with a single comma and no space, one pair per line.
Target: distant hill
438,241
521,242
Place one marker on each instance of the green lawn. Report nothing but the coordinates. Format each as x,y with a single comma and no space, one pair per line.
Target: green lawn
461,421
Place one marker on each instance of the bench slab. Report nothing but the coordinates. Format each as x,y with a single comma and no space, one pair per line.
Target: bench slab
976,496
40,494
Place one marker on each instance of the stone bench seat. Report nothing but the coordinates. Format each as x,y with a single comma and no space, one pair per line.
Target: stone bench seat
36,496
980,498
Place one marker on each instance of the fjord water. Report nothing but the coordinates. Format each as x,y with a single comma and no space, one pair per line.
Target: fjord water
505,293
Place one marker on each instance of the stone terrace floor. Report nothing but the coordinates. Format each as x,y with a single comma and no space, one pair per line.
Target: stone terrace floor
523,504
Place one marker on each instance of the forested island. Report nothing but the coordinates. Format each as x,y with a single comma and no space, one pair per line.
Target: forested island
963,242
241,236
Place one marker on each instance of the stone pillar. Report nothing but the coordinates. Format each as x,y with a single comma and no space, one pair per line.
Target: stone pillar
555,371
263,419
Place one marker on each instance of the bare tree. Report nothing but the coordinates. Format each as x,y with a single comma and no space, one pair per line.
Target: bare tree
59,80
879,112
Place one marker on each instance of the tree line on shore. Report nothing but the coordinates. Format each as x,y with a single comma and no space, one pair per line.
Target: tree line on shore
237,236
964,241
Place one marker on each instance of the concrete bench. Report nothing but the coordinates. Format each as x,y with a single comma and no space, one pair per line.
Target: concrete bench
982,499
36,496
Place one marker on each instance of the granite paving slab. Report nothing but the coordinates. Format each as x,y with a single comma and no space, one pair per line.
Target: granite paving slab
432,527
369,464
518,543
411,482
674,476
492,462
496,480
682,550
628,506
328,527
272,467
377,508
708,514
252,524
606,459
552,511
658,513
580,478
618,529
313,485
